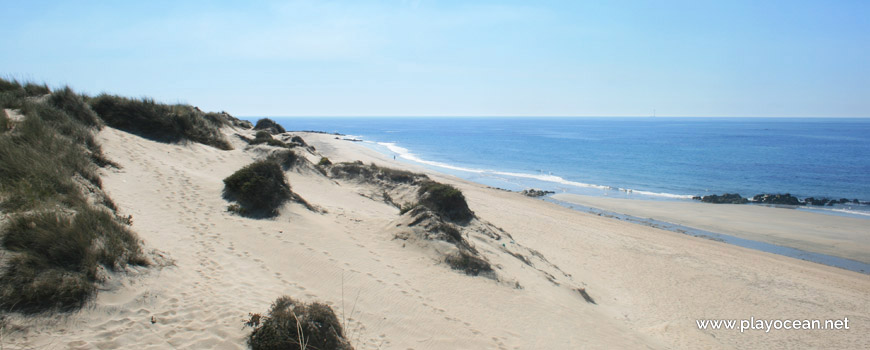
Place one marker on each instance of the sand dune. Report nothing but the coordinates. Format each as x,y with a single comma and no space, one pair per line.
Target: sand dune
215,267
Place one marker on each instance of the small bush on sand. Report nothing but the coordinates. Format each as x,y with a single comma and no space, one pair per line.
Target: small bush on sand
159,122
269,125
57,256
286,158
324,162
372,172
445,200
260,188
294,325
468,263
265,137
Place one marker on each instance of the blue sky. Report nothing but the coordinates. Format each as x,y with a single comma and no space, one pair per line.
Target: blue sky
476,58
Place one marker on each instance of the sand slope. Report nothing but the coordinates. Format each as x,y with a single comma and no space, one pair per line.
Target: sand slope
649,285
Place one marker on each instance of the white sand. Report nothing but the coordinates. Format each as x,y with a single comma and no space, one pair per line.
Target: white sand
650,285
844,237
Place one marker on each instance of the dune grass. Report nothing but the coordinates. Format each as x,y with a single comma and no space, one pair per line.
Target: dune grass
286,158
265,137
40,159
75,106
62,229
373,172
57,257
160,122
290,324
259,188
465,262
5,124
269,125
445,200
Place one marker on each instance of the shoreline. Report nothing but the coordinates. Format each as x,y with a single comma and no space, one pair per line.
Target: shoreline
529,170
811,232
827,251
516,181
824,259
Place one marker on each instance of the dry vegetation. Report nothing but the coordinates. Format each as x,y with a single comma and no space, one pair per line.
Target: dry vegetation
62,229
290,324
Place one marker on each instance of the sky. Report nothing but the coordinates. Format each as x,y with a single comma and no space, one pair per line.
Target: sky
454,58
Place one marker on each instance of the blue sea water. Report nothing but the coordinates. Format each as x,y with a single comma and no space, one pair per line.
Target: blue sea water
648,158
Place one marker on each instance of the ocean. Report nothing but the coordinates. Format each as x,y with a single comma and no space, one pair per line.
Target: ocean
643,158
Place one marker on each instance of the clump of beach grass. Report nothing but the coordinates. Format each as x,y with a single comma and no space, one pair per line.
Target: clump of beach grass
259,188
468,263
265,137
269,125
445,200
160,122
291,324
75,106
62,229
286,158
57,256
372,172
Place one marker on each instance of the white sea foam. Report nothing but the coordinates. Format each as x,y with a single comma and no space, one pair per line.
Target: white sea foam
845,211
406,154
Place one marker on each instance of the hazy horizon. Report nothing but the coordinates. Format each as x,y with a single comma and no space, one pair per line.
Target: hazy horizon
798,59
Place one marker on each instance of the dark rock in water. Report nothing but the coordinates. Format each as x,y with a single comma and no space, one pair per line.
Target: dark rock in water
785,199
728,198
270,126
814,201
696,198
856,201
535,192
844,200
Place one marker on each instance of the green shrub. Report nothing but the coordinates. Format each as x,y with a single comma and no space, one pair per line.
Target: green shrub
270,126
295,325
445,200
260,188
324,162
58,255
159,122
467,263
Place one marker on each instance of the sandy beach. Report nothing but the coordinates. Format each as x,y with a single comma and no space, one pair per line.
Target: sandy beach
844,237
650,286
